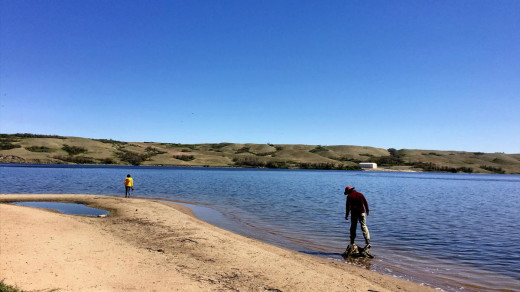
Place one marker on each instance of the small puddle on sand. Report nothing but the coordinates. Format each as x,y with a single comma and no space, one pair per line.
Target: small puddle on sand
67,208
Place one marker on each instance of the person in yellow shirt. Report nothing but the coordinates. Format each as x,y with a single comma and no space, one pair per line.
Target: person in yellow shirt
129,185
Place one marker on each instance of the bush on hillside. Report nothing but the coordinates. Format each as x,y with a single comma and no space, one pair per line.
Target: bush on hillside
132,157
151,151
248,161
28,135
39,149
5,145
329,165
74,150
76,159
110,141
493,169
243,150
107,161
318,148
429,166
184,157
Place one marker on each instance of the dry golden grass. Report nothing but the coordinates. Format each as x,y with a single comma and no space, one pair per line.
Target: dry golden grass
227,154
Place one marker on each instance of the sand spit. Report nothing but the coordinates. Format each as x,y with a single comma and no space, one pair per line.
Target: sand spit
146,245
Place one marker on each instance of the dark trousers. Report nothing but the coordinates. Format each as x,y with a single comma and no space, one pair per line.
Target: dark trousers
127,192
353,226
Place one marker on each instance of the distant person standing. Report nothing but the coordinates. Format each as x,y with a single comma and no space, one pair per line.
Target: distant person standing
129,185
357,205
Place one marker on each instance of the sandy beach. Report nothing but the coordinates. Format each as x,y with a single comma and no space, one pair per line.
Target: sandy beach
148,245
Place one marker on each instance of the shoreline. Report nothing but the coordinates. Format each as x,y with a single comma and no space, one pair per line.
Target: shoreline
169,247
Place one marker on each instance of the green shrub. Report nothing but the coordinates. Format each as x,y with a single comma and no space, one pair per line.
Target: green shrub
151,151
273,153
318,148
5,145
347,158
110,141
179,145
28,135
7,288
429,166
218,146
76,159
131,157
277,164
243,150
74,150
39,149
184,157
248,161
107,161
493,169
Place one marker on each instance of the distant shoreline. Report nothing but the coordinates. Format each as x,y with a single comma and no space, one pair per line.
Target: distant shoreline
45,149
195,166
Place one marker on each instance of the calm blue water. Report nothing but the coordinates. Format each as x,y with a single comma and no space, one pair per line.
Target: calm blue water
447,230
67,208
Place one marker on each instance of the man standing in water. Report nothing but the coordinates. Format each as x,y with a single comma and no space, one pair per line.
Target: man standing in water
129,185
356,205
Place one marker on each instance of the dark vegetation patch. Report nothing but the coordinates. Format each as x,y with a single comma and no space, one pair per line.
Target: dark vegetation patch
184,157
76,159
110,141
7,145
252,161
432,153
131,157
318,148
28,135
429,166
243,150
74,150
107,161
272,153
347,158
8,288
493,169
218,146
179,145
39,149
152,151
329,166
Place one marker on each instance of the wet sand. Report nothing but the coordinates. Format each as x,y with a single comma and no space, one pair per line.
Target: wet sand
149,245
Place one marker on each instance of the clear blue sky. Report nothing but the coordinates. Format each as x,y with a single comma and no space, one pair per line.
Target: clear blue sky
404,74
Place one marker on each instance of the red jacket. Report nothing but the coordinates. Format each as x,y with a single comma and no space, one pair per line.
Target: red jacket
356,203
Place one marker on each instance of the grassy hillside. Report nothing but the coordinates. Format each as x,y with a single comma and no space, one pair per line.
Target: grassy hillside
30,148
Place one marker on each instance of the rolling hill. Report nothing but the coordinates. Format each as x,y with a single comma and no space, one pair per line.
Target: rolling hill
52,149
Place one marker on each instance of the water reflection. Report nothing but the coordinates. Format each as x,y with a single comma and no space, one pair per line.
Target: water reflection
67,208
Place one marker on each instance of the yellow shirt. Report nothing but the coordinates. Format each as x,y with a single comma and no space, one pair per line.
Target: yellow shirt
129,182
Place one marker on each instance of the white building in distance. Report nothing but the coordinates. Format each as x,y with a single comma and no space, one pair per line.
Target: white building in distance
368,165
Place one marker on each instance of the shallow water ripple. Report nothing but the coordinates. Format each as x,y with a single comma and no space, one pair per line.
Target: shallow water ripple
450,230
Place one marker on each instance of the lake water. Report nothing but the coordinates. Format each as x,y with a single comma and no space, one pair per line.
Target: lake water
67,208
453,231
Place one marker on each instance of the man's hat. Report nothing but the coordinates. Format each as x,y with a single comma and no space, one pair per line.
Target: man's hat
349,189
